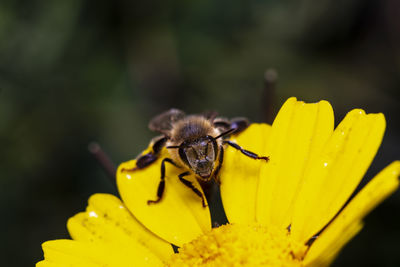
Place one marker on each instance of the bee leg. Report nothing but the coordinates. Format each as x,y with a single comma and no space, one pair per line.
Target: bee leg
147,159
245,152
218,168
161,185
191,186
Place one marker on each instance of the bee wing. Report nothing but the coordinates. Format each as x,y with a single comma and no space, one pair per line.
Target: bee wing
210,115
222,123
238,123
163,122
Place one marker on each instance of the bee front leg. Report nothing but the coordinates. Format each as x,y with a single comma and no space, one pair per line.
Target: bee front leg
147,159
246,152
191,186
161,185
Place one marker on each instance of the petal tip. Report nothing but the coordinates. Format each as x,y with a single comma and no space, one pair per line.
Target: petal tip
395,167
356,112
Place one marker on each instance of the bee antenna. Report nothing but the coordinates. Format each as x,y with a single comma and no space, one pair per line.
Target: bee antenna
225,133
173,146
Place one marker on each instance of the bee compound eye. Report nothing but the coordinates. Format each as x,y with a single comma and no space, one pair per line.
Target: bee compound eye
190,152
209,148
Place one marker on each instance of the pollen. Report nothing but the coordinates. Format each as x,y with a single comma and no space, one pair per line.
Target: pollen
241,245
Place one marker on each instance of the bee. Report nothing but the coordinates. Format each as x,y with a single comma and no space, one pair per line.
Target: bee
195,144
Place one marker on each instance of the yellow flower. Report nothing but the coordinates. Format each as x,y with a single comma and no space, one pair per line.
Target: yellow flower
287,212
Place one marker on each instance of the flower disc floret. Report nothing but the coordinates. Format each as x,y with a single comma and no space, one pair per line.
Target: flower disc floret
241,245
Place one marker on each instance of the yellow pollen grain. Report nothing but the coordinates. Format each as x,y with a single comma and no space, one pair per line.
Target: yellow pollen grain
241,245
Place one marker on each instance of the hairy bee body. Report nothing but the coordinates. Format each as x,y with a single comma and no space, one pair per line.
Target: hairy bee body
195,144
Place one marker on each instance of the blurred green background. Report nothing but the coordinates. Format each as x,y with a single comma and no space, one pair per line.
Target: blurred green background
75,71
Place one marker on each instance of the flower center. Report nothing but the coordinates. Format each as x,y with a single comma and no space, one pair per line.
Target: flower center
241,245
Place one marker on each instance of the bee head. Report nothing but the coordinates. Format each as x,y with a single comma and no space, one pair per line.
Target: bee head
200,155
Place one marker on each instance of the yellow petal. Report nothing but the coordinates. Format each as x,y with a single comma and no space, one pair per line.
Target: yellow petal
179,217
107,220
77,253
333,238
45,263
52,264
327,256
298,134
331,177
239,174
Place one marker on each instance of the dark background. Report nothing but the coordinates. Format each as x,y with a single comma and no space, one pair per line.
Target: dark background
74,71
